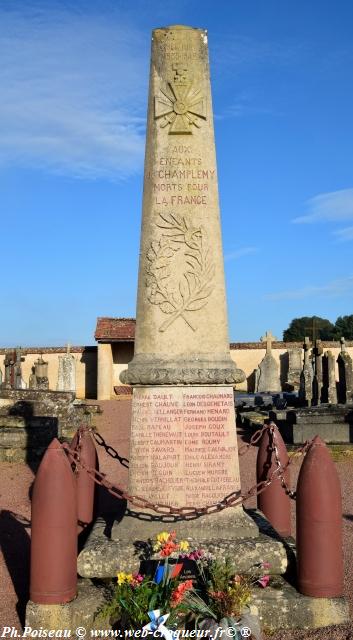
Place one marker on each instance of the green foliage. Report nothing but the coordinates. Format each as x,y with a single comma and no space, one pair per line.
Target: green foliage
320,327
344,327
307,326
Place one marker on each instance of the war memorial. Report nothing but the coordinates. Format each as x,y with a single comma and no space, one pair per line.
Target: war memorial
183,461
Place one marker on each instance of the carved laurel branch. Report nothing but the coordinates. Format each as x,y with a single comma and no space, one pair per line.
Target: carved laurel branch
195,284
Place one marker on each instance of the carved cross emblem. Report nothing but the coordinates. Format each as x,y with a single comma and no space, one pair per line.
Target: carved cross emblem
180,106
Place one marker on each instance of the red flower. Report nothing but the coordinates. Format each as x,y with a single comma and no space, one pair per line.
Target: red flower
179,592
168,549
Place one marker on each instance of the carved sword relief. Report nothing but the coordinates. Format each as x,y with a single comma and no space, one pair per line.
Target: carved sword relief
180,105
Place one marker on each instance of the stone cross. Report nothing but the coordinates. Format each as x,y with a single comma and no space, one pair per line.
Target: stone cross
343,344
268,338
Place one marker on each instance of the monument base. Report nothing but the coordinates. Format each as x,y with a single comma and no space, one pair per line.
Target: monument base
119,546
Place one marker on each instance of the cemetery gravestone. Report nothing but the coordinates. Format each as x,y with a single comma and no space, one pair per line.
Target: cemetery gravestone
67,372
345,371
267,374
317,381
41,374
295,366
307,376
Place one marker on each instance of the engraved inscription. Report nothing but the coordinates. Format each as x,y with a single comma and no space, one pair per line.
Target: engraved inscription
183,445
179,270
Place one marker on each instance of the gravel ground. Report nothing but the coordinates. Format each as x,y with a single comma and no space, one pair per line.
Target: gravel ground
113,425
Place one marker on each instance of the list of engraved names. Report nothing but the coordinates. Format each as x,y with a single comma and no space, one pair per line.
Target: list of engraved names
183,449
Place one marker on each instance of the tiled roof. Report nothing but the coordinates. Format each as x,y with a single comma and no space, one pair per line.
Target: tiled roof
109,329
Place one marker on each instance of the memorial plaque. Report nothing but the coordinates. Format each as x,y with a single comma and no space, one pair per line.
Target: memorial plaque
183,449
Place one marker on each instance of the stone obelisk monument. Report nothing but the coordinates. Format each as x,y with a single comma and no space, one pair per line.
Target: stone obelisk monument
183,437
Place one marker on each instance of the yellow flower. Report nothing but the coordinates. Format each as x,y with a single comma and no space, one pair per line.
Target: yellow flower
162,537
184,545
124,577
157,546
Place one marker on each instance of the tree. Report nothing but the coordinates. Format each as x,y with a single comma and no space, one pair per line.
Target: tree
344,327
312,326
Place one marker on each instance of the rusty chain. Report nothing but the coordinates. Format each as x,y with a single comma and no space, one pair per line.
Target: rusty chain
109,449
231,500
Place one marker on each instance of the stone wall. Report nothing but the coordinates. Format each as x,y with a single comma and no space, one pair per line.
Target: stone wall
247,355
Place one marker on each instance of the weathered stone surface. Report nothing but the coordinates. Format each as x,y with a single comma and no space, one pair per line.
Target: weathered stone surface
183,446
267,373
181,325
345,373
67,372
306,377
295,366
333,424
103,556
82,611
282,607
317,379
31,418
329,387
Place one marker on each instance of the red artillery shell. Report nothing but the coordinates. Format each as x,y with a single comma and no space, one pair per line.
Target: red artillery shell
54,530
319,525
274,502
85,484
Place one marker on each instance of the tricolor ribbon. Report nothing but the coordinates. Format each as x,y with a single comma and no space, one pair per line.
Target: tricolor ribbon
157,624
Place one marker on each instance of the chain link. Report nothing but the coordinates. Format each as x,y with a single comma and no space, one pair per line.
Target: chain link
233,499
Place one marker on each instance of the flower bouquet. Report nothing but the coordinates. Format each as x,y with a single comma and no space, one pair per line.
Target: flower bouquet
216,595
137,594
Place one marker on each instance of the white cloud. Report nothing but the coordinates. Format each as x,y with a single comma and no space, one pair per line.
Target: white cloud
331,206
335,288
239,253
73,92
345,234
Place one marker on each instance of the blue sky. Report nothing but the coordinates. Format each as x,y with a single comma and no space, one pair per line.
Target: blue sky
74,82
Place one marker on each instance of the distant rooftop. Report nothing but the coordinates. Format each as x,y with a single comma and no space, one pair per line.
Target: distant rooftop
115,329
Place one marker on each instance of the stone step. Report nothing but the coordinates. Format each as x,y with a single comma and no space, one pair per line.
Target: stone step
282,607
103,555
277,607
